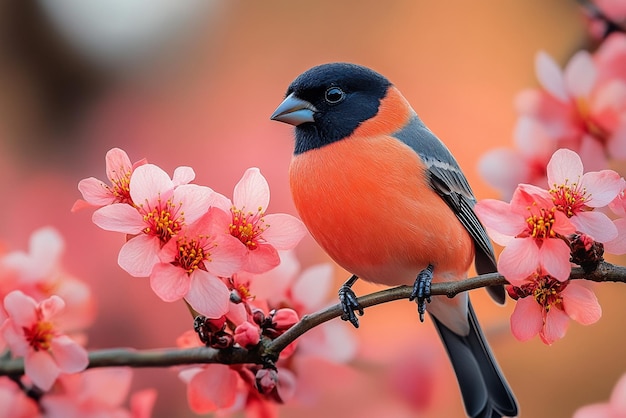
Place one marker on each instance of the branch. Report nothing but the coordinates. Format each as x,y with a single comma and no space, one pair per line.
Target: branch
269,350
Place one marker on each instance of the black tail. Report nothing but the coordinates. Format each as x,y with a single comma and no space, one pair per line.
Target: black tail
486,394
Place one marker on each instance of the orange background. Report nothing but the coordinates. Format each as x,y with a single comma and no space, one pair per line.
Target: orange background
206,103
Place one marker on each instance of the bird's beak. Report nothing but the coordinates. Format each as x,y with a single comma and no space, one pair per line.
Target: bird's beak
294,111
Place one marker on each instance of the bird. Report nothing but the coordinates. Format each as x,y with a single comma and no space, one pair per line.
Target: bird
388,202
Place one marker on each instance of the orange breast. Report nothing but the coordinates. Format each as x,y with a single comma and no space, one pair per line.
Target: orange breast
367,202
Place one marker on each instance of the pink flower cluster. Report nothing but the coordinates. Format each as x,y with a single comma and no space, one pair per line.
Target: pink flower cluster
281,296
40,303
189,239
542,230
582,108
43,312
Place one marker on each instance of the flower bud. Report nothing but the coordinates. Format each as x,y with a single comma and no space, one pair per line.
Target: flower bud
283,319
247,334
266,380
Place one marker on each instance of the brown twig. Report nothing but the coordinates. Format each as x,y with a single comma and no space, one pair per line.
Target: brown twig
269,350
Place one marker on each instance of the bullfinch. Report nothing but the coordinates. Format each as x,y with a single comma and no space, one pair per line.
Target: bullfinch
385,198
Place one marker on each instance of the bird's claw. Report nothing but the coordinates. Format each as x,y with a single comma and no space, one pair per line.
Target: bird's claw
349,305
421,290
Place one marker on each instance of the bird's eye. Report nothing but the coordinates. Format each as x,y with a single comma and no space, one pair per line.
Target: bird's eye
334,95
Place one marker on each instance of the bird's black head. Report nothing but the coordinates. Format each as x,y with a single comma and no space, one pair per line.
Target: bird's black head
328,102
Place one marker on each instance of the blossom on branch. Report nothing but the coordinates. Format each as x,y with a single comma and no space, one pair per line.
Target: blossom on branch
262,234
30,333
39,274
545,306
97,193
161,208
532,231
97,393
191,263
582,108
577,194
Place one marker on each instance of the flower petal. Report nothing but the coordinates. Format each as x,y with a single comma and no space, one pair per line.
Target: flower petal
95,192
550,76
208,295
312,287
497,215
527,319
22,309
149,183
69,355
581,304
252,191
555,327
519,260
283,231
618,397
117,164
119,217
565,167
262,259
554,255
603,186
194,200
580,74
169,282
183,175
596,410
51,307
139,255
617,246
595,224
227,257
213,388
41,368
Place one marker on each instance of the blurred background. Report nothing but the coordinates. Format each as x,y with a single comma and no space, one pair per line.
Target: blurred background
193,83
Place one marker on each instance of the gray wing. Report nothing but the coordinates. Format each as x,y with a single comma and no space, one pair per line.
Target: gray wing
447,179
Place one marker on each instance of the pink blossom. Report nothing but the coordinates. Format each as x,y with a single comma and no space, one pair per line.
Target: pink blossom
97,393
614,408
247,334
15,403
39,273
307,291
29,333
618,245
592,105
533,232
618,205
118,170
262,234
191,262
546,305
162,206
577,194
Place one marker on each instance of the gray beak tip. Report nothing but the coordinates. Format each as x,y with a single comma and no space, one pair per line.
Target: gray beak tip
294,111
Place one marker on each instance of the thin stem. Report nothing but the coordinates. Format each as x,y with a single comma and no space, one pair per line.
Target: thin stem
270,349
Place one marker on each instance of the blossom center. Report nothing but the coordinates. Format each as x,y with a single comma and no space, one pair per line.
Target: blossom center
540,223
39,335
547,292
121,187
192,253
164,220
247,226
569,199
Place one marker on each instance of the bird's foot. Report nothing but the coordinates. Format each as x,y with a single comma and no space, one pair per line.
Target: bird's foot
349,302
421,290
